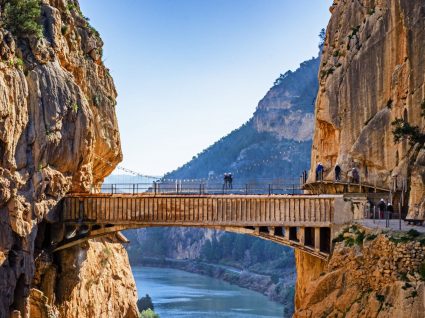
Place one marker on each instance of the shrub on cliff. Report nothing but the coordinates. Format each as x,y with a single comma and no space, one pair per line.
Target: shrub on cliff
22,17
149,313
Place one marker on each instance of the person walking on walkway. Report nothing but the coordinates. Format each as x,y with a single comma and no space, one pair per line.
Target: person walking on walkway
356,175
337,172
390,210
319,172
382,207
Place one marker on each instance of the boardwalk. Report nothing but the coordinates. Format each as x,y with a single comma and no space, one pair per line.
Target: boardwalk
302,221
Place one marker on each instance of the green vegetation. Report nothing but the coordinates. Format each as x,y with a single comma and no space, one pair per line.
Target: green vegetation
22,18
351,236
145,303
371,237
411,235
75,107
404,131
149,313
64,29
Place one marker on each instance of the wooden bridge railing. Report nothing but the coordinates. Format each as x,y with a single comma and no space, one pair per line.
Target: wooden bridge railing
202,211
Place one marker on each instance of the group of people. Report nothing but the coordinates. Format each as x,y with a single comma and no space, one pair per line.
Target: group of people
353,174
382,208
228,180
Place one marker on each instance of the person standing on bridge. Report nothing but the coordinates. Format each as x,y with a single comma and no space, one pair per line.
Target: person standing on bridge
226,180
319,172
230,180
337,172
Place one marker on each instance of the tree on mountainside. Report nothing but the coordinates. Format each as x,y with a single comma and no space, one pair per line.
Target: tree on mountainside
404,131
22,17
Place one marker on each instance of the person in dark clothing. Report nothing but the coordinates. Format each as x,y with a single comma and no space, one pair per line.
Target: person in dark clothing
390,210
356,175
230,181
226,180
337,172
319,172
382,208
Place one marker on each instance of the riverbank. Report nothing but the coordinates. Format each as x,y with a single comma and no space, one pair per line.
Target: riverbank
277,289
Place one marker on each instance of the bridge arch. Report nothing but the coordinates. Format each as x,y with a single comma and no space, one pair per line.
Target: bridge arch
306,222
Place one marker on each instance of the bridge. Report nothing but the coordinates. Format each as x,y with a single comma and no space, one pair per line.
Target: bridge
289,212
307,222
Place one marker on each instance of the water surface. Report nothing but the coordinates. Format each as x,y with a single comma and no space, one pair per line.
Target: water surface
177,293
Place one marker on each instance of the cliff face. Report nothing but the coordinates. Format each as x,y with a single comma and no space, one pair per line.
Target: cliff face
368,275
372,72
57,118
286,110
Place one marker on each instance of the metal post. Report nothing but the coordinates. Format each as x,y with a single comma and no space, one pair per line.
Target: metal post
270,189
154,187
374,213
134,188
246,188
399,216
293,188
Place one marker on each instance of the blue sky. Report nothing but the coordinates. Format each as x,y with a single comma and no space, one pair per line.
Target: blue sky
190,71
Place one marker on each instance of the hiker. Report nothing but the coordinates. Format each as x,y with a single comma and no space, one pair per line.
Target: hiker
319,172
390,210
382,207
226,181
337,172
230,180
356,175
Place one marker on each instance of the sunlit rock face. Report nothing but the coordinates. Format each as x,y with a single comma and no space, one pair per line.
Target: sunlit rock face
57,116
372,72
374,277
286,110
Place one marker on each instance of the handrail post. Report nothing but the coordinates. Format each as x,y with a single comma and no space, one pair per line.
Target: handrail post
270,189
154,187
246,188
112,188
134,188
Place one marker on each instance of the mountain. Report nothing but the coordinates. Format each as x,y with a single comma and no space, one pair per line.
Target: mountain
274,143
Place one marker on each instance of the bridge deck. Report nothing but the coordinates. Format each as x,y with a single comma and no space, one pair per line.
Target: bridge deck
201,210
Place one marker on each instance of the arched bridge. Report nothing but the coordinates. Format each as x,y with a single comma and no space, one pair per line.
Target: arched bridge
307,222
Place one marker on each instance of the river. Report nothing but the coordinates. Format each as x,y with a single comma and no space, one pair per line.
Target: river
177,293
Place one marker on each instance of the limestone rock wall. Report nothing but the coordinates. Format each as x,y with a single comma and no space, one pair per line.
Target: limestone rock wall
368,275
57,118
372,71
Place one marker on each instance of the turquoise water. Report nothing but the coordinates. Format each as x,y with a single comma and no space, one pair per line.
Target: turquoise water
180,294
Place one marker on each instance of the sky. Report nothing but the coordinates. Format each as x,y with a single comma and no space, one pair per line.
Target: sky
188,72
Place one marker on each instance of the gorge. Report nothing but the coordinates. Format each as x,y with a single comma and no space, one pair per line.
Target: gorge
58,118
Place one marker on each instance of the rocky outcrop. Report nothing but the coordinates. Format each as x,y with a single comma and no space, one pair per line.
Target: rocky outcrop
286,110
371,73
370,274
58,133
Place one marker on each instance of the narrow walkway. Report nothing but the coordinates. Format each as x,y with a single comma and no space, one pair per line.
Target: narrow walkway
394,225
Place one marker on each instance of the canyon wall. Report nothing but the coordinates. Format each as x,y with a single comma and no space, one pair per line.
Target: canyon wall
58,133
370,274
372,72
